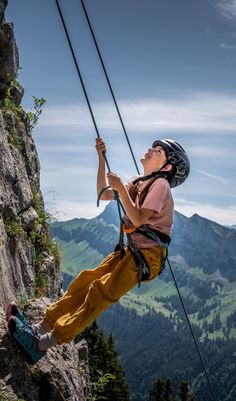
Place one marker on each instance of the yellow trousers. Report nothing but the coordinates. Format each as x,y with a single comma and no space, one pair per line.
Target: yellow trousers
95,290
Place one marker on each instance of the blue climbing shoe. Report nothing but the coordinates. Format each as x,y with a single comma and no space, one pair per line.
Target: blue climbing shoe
26,340
14,310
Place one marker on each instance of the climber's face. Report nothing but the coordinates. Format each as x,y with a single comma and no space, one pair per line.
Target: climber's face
154,159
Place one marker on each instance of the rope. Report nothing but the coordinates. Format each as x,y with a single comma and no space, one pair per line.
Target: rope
116,196
127,138
80,76
192,331
109,84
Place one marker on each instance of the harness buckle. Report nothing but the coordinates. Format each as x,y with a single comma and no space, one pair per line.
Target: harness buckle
128,230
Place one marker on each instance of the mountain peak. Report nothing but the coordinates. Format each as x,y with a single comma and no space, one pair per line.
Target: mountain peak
110,214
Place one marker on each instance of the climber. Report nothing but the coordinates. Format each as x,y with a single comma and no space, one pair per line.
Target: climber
148,221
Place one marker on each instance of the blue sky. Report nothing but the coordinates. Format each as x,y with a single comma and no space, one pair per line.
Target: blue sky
172,65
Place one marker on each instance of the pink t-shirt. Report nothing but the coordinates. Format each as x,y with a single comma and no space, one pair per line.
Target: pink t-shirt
159,199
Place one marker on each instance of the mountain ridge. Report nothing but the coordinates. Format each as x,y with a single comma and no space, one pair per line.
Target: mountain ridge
195,238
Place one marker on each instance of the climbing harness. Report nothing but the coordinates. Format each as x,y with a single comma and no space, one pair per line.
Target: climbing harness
161,239
143,268
116,196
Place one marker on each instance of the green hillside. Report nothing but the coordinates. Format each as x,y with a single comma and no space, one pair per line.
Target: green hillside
152,345
209,302
78,256
209,296
148,323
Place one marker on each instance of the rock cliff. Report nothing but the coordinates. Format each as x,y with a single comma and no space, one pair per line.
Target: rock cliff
26,250
61,375
29,258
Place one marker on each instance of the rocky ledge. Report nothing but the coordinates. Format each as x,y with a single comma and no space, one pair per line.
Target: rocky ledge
61,375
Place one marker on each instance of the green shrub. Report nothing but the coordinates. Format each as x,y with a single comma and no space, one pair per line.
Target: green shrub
41,284
33,116
13,227
14,139
7,104
54,249
22,300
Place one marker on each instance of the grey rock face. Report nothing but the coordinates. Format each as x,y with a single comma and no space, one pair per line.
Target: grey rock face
28,218
61,375
3,4
17,193
22,236
19,168
9,56
53,275
28,258
17,93
17,275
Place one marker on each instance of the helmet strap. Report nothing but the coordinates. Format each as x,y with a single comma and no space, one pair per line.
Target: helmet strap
165,164
156,174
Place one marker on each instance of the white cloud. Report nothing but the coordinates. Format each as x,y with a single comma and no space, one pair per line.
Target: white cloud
227,8
69,182
227,46
66,209
74,116
194,112
63,147
72,173
224,216
213,176
207,151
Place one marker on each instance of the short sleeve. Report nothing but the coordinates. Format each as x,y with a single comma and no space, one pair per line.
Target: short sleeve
157,195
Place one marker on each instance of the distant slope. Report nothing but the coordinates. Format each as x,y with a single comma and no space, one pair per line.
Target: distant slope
199,241
202,242
152,345
203,256
78,256
96,232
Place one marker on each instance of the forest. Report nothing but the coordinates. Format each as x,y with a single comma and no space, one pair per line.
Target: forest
152,346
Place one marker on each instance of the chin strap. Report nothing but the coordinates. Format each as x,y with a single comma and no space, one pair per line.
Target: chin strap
156,174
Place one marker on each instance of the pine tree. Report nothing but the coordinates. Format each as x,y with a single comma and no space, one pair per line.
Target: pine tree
157,390
106,372
185,394
168,392
162,391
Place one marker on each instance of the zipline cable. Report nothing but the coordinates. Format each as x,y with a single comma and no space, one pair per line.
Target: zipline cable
109,84
192,331
116,195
